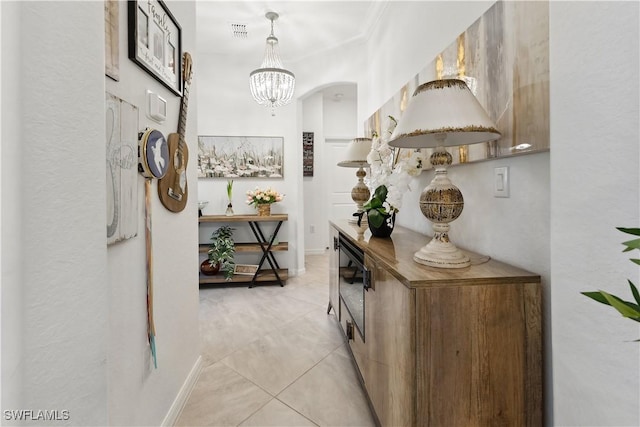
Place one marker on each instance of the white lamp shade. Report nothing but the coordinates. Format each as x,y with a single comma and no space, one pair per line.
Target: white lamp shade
443,107
357,152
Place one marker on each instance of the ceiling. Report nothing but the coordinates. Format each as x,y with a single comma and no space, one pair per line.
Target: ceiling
303,28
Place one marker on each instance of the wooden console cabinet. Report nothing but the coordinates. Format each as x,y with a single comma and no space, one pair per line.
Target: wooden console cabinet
443,347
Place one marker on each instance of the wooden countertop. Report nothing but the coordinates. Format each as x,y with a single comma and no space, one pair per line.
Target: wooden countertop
396,255
243,218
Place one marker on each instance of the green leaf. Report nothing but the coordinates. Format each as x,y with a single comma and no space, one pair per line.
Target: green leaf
637,261
375,217
596,296
634,231
622,307
631,244
375,204
634,291
381,193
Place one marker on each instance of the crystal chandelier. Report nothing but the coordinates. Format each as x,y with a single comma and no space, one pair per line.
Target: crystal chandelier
272,85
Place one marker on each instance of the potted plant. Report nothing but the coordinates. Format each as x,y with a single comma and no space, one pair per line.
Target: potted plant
221,253
628,309
229,211
380,214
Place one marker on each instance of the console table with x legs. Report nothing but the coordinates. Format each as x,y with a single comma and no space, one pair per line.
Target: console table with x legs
263,244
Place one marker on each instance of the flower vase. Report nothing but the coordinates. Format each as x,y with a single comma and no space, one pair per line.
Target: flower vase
386,228
264,209
229,211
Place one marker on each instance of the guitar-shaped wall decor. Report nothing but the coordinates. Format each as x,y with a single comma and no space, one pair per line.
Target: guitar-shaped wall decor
172,188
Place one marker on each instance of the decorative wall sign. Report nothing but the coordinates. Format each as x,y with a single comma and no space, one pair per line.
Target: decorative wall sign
111,39
504,59
307,153
122,169
240,156
155,42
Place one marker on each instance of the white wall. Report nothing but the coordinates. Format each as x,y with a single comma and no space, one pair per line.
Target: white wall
73,314
594,175
55,142
11,290
314,186
329,120
138,393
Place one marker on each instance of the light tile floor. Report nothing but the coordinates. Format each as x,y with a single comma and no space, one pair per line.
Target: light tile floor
273,357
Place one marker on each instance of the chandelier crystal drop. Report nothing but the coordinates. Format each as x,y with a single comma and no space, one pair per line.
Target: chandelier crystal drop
271,85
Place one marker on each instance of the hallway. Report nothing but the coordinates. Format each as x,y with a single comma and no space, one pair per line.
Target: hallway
272,357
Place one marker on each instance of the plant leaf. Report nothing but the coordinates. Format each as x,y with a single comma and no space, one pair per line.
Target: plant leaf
637,261
375,217
634,291
622,307
374,203
634,231
381,193
631,244
597,296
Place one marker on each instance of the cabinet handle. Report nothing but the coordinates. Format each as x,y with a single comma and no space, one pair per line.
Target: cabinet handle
349,329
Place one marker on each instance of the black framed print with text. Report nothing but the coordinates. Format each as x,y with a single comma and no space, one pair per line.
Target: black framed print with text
155,42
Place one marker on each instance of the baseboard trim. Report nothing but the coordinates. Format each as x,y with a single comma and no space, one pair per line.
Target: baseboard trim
183,395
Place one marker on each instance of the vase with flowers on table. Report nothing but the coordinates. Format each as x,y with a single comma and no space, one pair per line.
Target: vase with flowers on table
262,199
390,176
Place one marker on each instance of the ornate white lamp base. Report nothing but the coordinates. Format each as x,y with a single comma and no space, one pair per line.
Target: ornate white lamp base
360,229
441,253
364,222
360,194
441,202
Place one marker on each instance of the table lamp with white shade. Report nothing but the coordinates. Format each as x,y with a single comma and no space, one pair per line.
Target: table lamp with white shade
356,157
442,113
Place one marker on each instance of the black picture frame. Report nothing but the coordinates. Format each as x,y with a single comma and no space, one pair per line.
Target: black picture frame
155,42
307,153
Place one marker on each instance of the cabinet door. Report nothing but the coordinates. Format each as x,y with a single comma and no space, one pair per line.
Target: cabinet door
477,348
334,260
387,359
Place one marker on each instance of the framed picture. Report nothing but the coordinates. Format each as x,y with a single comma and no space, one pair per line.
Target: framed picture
240,156
111,39
307,153
122,172
247,269
155,42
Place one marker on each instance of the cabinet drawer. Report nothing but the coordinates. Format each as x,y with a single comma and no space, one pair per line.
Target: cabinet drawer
356,345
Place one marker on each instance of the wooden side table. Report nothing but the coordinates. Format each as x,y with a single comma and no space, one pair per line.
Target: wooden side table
265,245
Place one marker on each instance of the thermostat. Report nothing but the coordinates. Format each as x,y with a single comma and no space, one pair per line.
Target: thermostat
156,107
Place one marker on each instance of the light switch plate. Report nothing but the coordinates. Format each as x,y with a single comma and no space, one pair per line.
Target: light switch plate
156,107
501,182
